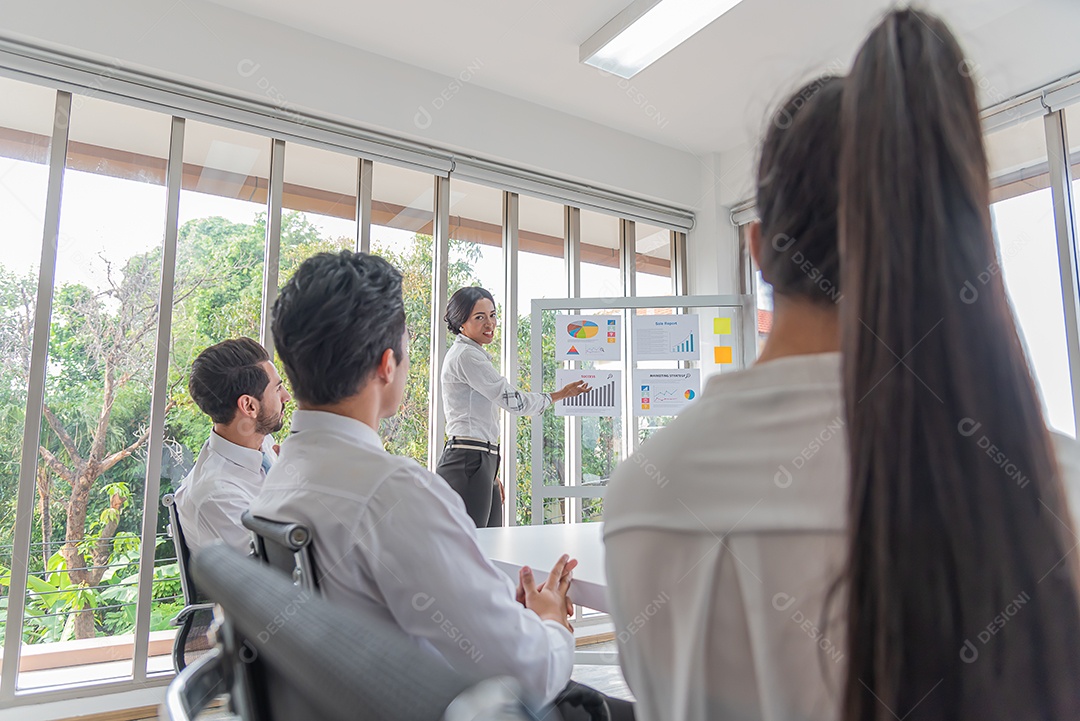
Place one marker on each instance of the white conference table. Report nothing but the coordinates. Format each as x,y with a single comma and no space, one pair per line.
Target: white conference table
539,547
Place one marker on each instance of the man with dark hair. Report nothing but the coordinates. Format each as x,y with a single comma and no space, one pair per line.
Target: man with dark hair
390,536
235,384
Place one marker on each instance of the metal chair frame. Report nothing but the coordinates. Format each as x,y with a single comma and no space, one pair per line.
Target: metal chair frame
192,605
284,545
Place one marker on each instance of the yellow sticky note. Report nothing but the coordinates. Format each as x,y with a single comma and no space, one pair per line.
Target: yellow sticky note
721,326
722,354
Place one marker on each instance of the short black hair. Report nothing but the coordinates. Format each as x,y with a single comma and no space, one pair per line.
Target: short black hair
461,304
224,372
333,321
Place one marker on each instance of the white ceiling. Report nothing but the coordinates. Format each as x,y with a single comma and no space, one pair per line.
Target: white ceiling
710,94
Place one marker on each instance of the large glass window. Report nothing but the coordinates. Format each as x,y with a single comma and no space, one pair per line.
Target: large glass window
97,391
26,122
219,277
402,217
1027,245
541,274
90,475
222,236
652,260
318,204
600,274
218,290
601,277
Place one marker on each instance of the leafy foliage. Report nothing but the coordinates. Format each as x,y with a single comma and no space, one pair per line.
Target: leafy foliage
84,569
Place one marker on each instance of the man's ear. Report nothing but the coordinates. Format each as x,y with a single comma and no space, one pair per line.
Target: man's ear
388,365
247,405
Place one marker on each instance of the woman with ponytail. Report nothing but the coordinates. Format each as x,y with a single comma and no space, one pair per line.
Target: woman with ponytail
892,540
725,530
961,588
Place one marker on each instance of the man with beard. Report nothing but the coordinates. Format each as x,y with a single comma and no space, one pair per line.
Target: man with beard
235,384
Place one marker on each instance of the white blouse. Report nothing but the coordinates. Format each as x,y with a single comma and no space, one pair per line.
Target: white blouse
723,534
473,392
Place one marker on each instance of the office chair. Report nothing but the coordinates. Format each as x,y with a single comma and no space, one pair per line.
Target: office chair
200,683
285,546
193,621
286,653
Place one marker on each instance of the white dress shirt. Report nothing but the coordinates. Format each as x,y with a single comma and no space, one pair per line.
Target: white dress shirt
394,539
723,534
212,497
473,391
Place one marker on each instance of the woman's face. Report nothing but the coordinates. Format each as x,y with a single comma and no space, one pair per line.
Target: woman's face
480,326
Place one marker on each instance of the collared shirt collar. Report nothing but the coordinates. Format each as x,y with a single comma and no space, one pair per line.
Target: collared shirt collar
325,422
247,458
462,338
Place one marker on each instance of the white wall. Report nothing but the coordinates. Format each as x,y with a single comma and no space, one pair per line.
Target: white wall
726,180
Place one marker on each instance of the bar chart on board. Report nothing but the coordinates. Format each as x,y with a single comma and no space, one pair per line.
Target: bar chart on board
602,399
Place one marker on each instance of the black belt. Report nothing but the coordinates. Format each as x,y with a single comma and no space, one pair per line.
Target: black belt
472,444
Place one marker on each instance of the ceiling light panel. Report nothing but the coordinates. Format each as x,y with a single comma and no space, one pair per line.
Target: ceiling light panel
646,31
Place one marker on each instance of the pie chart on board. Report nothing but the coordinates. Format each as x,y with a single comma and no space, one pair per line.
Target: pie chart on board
689,395
584,329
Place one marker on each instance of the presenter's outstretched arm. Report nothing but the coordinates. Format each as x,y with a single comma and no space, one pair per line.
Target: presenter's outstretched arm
570,390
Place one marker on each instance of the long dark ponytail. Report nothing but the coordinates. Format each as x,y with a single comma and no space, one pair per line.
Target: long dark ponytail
962,595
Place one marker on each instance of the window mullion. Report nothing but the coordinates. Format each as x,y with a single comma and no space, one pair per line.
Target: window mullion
35,399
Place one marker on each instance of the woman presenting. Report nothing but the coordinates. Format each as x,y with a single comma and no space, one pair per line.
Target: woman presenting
473,391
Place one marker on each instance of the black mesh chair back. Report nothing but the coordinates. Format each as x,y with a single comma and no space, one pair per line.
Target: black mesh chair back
194,620
285,546
296,655
183,554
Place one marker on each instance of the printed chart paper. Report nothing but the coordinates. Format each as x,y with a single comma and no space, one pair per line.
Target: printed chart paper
667,337
588,337
602,400
665,393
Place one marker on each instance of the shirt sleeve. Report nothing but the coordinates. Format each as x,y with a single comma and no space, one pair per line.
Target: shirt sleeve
440,587
218,517
485,380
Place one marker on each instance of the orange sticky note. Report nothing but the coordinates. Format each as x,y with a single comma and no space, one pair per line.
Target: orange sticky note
722,354
721,326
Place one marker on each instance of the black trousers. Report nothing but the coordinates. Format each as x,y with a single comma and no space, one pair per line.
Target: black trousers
472,475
